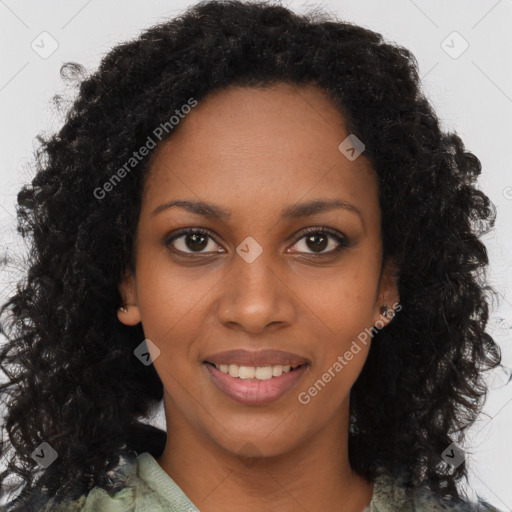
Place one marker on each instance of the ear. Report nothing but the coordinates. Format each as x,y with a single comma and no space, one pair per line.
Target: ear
387,294
128,292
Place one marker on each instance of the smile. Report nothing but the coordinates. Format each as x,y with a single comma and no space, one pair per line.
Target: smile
254,385
255,372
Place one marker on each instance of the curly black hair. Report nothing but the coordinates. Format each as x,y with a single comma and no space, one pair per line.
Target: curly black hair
78,385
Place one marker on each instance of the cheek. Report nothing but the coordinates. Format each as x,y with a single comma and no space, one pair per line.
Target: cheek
340,357
169,299
344,299
345,304
172,307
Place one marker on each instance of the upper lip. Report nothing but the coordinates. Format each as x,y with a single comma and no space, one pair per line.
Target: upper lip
268,357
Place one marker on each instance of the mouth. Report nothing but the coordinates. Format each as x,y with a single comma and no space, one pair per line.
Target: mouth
254,385
255,373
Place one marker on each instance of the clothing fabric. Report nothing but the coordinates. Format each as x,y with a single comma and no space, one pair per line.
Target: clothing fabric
143,486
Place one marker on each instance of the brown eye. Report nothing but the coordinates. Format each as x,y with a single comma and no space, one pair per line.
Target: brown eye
196,242
317,240
191,241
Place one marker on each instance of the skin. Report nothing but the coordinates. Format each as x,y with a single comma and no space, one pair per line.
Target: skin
254,152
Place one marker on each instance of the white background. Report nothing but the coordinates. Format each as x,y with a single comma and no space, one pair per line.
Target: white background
472,95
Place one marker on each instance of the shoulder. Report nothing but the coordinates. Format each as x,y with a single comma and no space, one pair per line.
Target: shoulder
127,488
137,484
391,495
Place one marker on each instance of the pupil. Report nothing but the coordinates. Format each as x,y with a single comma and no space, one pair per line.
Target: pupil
195,243
316,238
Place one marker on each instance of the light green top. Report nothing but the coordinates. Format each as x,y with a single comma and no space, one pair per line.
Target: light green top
151,489
146,487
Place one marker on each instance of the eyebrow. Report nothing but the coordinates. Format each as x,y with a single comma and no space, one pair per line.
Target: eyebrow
294,211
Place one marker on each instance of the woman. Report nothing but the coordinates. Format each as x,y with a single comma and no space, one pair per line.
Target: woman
255,217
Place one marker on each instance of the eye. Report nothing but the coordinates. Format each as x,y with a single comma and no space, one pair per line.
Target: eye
194,239
318,239
201,241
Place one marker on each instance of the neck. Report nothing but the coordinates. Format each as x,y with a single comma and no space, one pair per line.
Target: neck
315,476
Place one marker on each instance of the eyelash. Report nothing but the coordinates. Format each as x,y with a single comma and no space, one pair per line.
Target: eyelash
343,242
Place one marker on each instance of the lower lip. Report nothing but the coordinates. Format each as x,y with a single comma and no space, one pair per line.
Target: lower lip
254,391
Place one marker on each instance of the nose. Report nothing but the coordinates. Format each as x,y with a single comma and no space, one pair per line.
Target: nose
255,297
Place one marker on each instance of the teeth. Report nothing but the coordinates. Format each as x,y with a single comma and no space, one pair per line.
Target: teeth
277,370
246,372
254,372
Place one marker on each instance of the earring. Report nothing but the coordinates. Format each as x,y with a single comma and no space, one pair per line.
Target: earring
387,312
122,309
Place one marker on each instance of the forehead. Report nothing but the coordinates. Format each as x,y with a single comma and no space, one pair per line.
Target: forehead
279,142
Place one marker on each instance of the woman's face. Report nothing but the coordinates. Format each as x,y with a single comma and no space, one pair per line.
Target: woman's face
248,162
